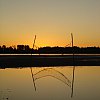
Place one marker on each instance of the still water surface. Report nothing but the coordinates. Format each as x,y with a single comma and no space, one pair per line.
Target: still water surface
53,83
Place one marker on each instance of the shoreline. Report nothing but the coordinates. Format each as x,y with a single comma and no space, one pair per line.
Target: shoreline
14,61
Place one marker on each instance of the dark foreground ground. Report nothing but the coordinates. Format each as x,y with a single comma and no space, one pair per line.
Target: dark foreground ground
12,61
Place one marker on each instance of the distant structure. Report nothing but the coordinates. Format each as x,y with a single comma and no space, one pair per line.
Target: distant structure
22,47
26,47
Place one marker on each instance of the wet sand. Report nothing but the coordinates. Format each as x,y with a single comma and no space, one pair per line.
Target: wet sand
13,61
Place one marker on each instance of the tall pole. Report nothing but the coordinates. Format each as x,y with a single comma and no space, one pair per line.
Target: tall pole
34,42
73,67
72,48
72,39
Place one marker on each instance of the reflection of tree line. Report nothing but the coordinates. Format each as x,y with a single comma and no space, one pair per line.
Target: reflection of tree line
55,74
48,50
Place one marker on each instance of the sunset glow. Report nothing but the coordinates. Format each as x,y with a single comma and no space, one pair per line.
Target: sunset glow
51,20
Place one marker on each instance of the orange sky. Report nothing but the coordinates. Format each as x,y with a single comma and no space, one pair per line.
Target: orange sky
51,20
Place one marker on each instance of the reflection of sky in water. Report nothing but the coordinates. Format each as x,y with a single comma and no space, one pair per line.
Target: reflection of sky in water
19,83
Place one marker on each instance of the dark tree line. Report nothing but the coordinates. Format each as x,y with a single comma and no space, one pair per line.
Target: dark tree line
25,49
68,50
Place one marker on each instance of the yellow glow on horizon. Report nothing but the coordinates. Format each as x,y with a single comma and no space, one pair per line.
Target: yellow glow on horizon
51,20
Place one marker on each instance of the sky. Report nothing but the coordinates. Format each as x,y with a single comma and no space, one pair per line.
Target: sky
52,21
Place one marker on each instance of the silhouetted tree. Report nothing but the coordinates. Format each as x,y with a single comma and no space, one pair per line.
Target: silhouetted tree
50,50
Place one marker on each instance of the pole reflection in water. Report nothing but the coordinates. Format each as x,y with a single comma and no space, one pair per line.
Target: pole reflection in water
45,72
73,81
33,78
53,73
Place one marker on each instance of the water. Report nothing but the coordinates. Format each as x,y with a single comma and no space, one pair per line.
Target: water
51,83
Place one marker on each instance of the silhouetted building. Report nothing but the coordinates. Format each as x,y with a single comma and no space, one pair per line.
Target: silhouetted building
26,47
20,47
23,47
